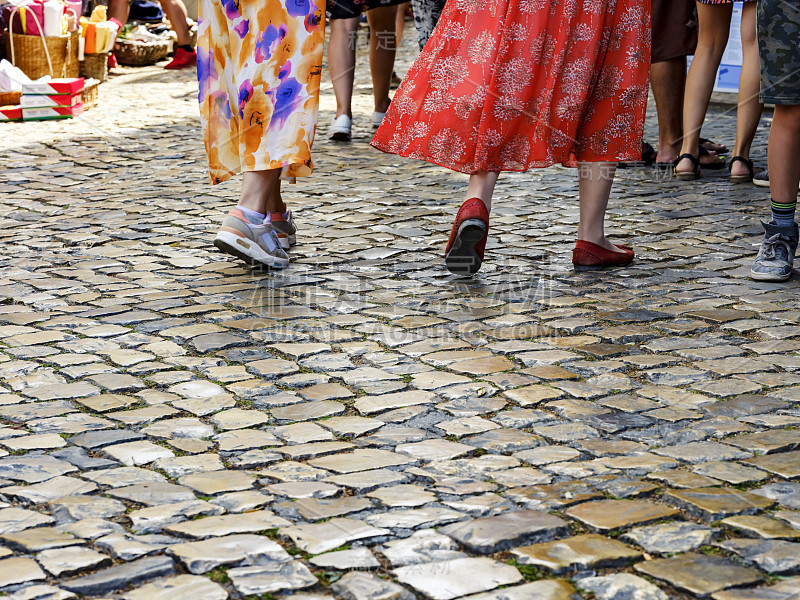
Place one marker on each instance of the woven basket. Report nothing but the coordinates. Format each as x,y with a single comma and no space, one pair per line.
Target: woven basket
138,54
9,98
90,93
37,55
95,66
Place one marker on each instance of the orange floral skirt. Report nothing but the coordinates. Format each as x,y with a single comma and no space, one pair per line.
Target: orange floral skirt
508,85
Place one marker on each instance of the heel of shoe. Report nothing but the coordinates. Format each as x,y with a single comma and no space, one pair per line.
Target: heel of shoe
463,257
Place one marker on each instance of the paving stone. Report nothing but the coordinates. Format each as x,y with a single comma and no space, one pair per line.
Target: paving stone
71,561
362,586
234,550
361,460
17,570
54,488
621,586
121,576
712,504
182,587
772,556
786,464
153,493
493,534
357,558
670,538
606,515
137,453
698,573
424,546
153,519
786,493
227,524
762,527
546,589
457,577
321,537
783,590
77,507
13,520
582,552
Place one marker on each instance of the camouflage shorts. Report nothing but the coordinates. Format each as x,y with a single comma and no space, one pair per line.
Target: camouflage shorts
778,35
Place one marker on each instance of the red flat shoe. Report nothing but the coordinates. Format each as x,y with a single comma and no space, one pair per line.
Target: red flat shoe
182,59
467,243
588,256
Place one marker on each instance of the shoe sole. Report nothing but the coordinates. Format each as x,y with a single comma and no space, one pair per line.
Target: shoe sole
768,277
581,268
760,183
287,241
463,258
248,251
340,136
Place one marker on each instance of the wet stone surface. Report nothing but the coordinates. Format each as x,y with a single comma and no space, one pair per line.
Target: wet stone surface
363,425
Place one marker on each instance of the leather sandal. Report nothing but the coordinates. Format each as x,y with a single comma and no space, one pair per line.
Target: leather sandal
751,172
686,175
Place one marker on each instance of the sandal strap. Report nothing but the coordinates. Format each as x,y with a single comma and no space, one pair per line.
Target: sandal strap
694,159
746,162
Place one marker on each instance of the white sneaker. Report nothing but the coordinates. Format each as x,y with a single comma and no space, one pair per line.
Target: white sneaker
340,129
377,119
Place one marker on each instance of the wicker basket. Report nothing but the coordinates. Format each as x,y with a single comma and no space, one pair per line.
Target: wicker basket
37,55
95,66
138,54
90,93
9,98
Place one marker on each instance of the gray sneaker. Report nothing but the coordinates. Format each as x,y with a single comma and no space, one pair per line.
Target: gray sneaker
776,256
255,244
762,179
285,228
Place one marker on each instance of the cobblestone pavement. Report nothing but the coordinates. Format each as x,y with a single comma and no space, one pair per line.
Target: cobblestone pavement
364,425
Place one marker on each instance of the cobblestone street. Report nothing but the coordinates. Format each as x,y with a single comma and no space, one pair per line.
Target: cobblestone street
364,425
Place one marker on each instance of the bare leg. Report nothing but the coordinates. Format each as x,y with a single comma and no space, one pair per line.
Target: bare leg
382,47
481,185
119,9
749,111
400,22
668,79
714,26
261,191
342,62
594,184
784,154
176,13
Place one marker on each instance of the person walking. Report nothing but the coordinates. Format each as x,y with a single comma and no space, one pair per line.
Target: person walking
714,18
344,17
514,84
426,15
175,10
778,32
259,68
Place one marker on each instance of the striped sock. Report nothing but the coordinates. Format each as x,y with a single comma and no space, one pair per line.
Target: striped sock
783,214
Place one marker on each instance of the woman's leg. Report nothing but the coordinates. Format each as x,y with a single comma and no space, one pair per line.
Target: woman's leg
749,112
714,26
177,15
261,192
342,62
400,22
382,47
481,185
594,187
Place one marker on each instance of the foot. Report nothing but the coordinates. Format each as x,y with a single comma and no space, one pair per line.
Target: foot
588,255
776,255
761,179
377,119
340,130
285,228
713,146
467,244
182,59
256,244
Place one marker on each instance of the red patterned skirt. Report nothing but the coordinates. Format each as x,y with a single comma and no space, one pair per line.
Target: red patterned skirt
507,85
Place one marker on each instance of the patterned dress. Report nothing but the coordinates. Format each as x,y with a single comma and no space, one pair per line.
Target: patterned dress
426,15
258,67
506,85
